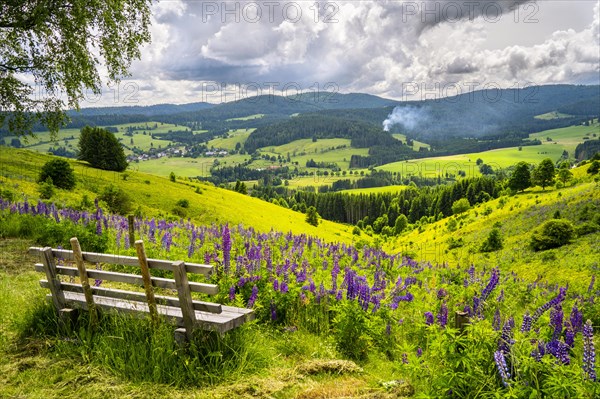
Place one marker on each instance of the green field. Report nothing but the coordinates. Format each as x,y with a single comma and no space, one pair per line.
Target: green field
374,190
416,144
322,150
187,167
247,118
233,137
566,139
552,115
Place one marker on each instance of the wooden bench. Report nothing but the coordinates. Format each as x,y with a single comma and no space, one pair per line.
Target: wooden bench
187,314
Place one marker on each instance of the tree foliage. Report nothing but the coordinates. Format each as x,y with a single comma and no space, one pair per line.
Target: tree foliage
521,177
460,206
59,172
312,217
116,199
552,234
543,174
60,45
493,242
101,149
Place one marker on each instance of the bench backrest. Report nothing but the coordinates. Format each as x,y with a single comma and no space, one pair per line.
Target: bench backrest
179,283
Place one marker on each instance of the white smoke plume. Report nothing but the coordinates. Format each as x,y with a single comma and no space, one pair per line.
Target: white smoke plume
408,116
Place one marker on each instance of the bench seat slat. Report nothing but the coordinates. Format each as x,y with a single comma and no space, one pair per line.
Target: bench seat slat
136,296
93,257
221,322
134,279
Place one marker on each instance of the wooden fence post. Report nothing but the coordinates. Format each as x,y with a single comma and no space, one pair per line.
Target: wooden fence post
141,253
83,277
131,225
461,319
185,298
58,297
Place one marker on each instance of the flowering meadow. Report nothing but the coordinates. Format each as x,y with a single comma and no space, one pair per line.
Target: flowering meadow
522,338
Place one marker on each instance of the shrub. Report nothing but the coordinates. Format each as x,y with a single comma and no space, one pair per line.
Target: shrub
312,217
493,242
116,199
356,231
455,242
460,206
551,234
7,194
179,211
60,173
400,224
183,203
172,177
586,228
46,189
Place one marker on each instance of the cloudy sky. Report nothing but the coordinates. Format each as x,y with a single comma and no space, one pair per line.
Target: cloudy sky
216,51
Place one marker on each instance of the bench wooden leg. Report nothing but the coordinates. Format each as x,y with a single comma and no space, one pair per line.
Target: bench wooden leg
67,318
181,337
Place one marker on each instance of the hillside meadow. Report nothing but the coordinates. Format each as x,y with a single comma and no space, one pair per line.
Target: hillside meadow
338,316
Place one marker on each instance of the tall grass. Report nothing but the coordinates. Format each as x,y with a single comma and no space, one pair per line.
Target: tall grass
136,350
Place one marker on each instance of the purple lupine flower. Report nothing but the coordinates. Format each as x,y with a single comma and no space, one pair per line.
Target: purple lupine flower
502,368
283,287
273,312
232,293
559,350
497,321
226,242
589,352
506,340
556,321
442,316
428,318
492,283
539,352
388,329
167,240
98,228
419,352
253,296
441,293
591,287
192,242
570,337
275,285
405,358
526,326
552,303
576,319
500,297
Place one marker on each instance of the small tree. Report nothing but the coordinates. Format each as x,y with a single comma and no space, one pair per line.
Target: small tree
493,242
117,200
552,234
460,206
521,177
564,174
312,217
101,149
172,177
60,173
594,168
543,174
400,224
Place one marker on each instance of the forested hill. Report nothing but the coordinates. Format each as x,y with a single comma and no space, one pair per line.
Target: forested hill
490,113
317,126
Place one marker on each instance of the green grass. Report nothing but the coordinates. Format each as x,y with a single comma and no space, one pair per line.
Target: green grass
157,195
375,190
233,137
416,144
185,167
568,137
247,118
322,150
517,216
552,115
